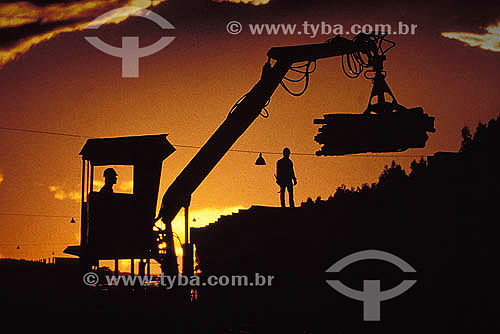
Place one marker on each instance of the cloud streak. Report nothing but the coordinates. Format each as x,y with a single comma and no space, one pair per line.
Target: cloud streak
26,24
490,40
121,186
246,2
61,194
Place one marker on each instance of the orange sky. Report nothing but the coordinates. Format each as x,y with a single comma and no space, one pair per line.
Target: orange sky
186,90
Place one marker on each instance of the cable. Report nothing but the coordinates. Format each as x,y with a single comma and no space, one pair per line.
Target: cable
305,76
34,215
44,132
236,104
264,112
352,64
313,154
178,239
21,244
352,73
231,150
355,61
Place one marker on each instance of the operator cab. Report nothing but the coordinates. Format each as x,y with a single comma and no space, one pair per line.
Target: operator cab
117,225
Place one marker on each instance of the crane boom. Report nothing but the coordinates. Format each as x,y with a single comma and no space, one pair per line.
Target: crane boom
242,116
238,120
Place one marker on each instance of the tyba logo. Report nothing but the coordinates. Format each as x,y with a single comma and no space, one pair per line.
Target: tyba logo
130,52
371,296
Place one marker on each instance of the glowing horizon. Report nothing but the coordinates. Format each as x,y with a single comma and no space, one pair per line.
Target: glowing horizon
187,90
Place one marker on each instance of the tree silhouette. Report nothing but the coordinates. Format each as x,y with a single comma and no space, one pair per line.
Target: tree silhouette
392,176
466,139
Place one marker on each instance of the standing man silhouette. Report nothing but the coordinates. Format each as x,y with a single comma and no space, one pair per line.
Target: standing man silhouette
285,177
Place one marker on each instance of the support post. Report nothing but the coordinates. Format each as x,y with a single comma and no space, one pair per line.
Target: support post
187,256
186,223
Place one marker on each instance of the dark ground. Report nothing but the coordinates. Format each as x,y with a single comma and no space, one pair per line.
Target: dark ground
441,218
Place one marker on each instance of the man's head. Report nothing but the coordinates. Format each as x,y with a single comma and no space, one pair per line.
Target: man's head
286,152
110,176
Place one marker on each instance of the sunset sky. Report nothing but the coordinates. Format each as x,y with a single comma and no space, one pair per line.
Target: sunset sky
53,80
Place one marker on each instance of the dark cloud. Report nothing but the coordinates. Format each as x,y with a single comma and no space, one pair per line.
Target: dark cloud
27,23
10,36
24,24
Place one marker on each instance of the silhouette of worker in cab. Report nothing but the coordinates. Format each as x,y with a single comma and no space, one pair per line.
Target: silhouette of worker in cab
285,177
110,178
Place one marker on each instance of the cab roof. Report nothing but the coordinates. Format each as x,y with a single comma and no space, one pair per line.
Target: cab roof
127,150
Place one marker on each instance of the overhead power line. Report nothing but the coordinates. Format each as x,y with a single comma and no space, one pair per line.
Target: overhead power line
24,244
34,215
44,132
55,133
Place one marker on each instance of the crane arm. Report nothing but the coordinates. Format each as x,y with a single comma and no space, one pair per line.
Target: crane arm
236,123
334,47
242,116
